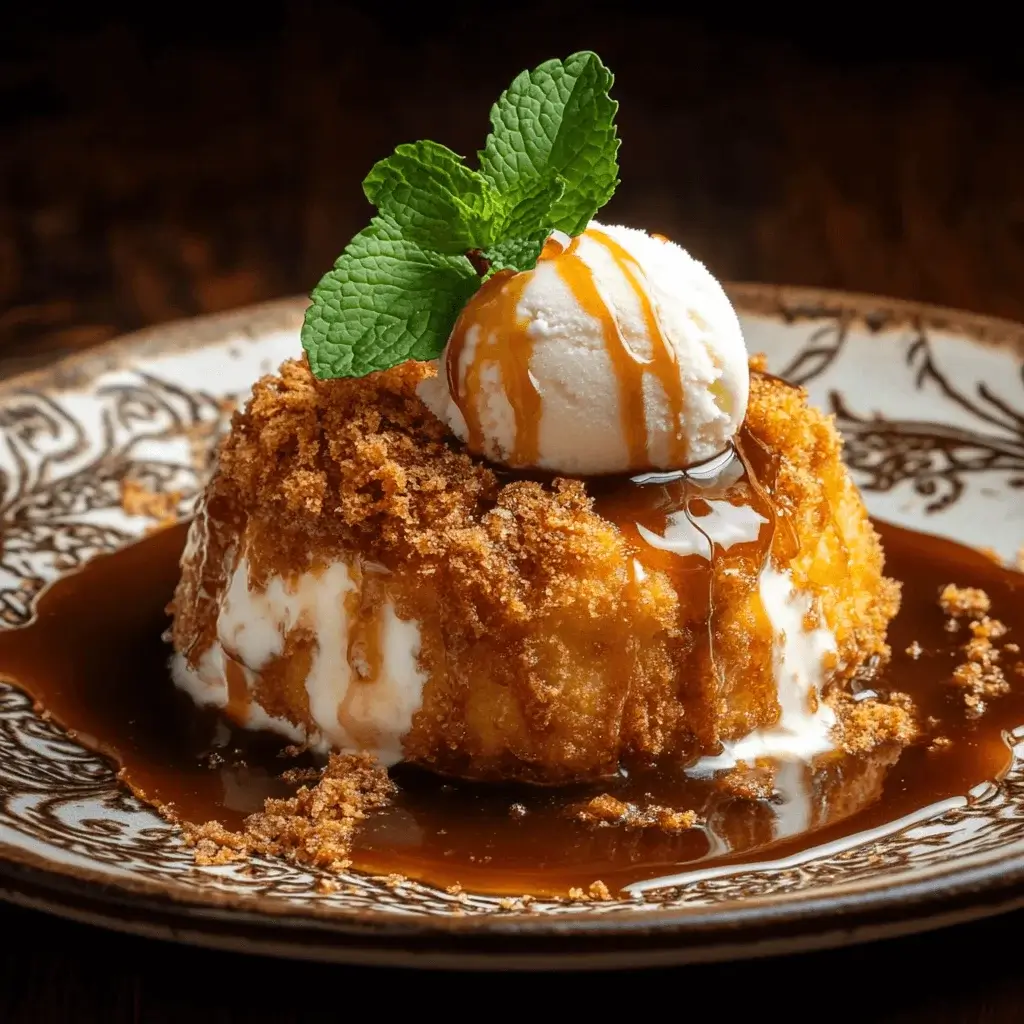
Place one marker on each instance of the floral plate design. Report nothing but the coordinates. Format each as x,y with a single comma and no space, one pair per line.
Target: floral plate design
931,404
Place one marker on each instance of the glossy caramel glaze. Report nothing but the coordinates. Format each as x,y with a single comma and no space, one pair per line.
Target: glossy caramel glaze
94,658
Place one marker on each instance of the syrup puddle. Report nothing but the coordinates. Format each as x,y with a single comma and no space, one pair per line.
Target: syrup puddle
95,659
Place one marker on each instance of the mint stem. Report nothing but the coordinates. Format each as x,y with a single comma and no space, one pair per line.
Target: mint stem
479,262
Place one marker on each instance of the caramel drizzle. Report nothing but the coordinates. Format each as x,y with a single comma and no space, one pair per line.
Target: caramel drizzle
506,342
651,500
237,707
626,364
504,339
629,366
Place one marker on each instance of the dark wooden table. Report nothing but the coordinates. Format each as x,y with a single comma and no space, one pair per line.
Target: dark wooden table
155,170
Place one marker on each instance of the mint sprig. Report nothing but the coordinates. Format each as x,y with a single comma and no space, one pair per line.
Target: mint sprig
549,163
434,198
557,120
387,299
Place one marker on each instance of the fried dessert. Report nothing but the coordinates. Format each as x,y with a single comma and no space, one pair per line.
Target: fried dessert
526,511
526,579
359,579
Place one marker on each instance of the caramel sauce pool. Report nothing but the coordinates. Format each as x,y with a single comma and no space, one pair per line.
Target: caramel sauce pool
95,659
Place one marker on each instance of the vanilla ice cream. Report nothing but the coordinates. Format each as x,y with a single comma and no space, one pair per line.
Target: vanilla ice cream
618,353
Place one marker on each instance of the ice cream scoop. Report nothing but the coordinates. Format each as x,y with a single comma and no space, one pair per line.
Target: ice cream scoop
618,353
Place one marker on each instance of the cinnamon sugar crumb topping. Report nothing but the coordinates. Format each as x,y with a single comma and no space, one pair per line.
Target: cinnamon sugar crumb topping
988,628
865,725
980,675
516,904
750,782
915,650
983,680
976,707
599,891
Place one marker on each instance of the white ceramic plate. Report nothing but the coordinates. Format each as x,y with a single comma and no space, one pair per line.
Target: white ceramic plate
931,403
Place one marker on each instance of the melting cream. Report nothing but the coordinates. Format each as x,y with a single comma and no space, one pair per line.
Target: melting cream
352,707
207,685
806,722
724,525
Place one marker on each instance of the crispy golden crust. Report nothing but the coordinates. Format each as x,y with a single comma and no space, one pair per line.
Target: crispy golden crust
545,662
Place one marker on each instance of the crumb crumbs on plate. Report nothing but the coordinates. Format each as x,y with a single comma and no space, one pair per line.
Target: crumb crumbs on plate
964,602
865,725
315,827
139,500
605,810
517,904
980,675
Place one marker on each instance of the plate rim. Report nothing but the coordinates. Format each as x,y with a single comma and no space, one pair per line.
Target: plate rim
992,884
789,303
575,944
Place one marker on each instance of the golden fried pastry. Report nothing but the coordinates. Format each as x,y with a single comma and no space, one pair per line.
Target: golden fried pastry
357,580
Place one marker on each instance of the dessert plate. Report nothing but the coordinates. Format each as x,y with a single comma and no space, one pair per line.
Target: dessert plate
931,404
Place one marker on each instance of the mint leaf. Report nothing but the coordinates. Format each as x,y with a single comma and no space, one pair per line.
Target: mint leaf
529,210
524,229
514,253
434,198
556,120
387,299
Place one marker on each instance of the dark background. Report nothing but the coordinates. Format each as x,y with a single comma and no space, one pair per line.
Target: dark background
180,160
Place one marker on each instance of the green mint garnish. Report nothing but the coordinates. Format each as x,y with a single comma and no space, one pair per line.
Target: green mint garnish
387,299
557,120
434,198
443,228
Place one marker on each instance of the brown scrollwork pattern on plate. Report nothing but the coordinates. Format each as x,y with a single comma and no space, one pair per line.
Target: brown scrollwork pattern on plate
61,475
64,457
935,459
